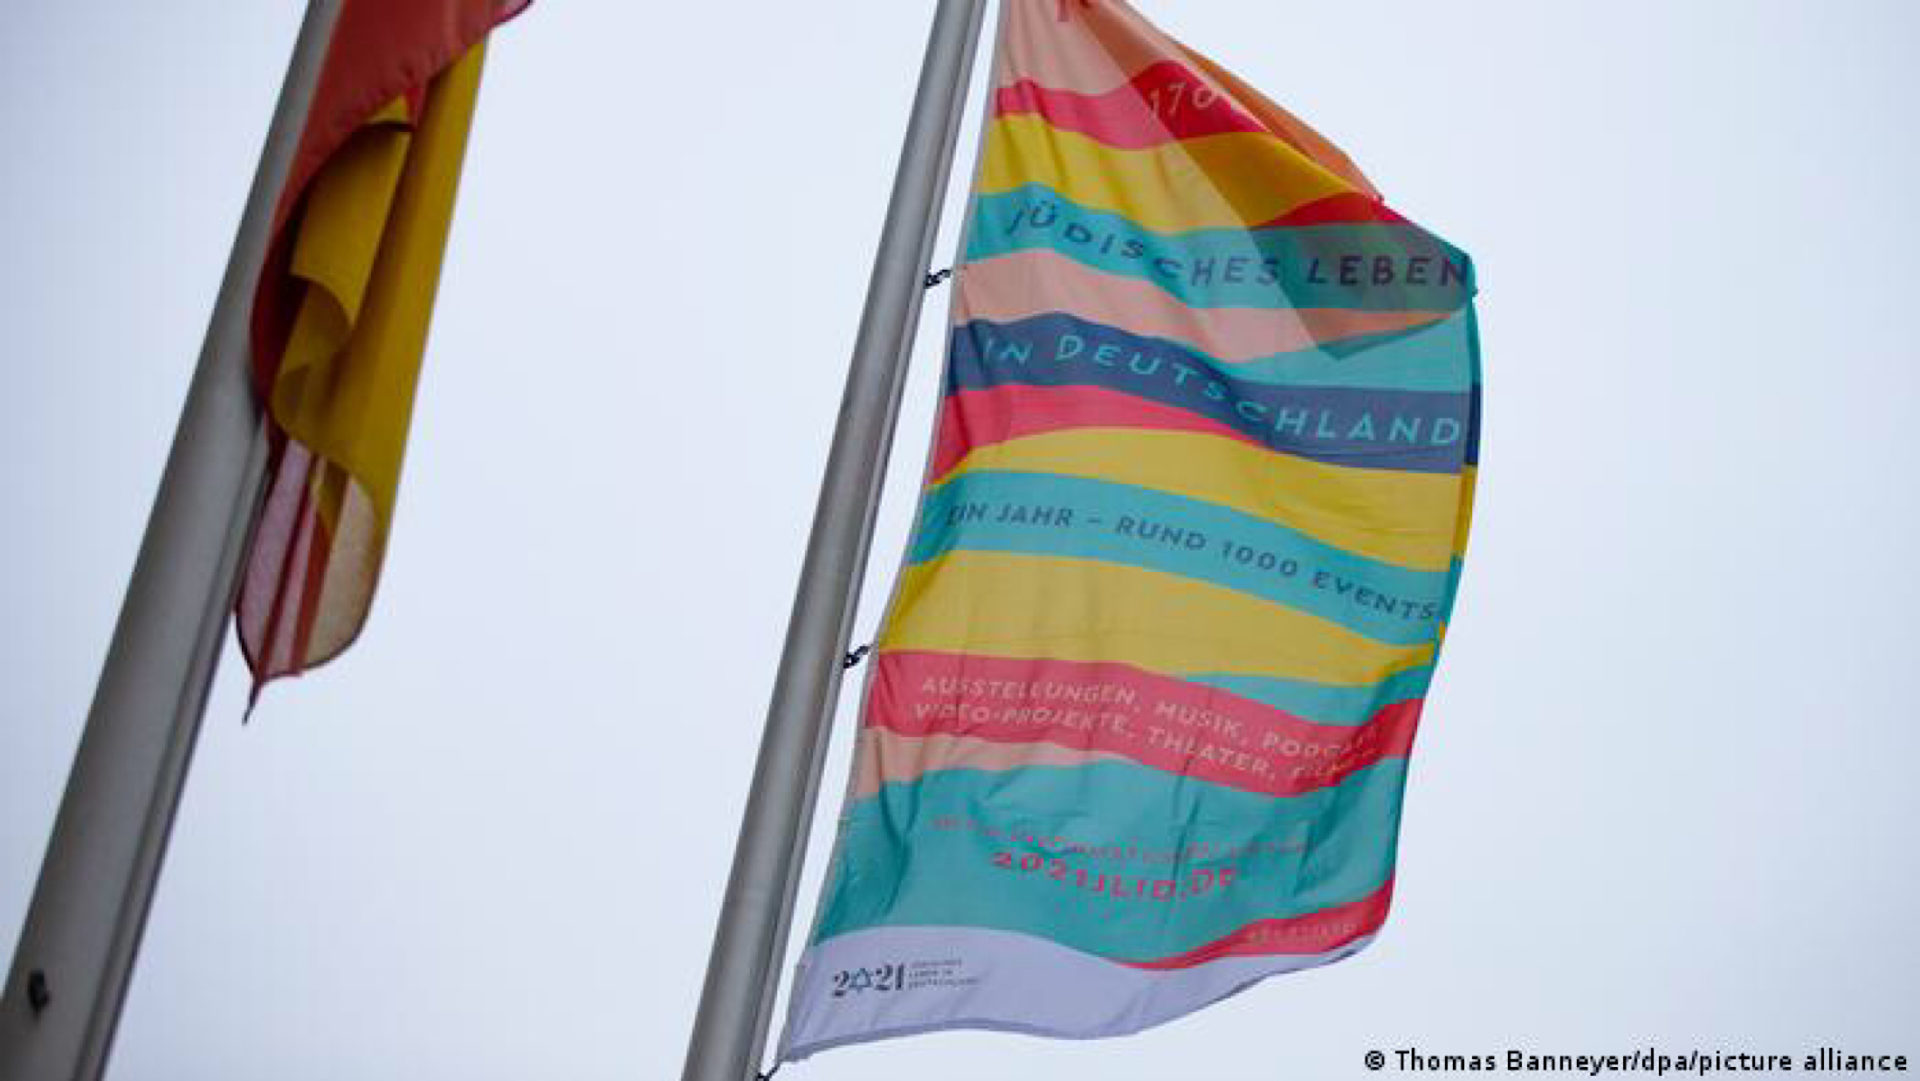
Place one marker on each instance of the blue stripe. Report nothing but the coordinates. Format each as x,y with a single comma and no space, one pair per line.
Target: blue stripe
1412,430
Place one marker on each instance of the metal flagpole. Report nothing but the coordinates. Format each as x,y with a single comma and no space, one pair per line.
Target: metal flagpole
730,1028
76,952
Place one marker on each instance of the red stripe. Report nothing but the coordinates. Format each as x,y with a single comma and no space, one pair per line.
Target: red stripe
1315,932
1344,209
318,555
1169,724
278,547
382,50
1161,104
981,418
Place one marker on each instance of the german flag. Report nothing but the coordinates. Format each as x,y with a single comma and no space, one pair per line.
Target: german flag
341,313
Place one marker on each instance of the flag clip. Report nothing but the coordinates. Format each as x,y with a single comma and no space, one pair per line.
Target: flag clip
38,995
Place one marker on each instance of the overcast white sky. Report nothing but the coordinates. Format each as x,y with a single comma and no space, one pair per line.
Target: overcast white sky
1664,788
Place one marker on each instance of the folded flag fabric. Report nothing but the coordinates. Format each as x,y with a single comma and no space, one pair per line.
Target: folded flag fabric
1138,726
341,313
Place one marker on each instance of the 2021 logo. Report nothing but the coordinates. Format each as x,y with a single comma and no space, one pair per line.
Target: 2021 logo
854,981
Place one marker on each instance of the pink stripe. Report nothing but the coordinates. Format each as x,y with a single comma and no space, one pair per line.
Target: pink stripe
1036,282
1065,57
1115,709
1097,49
1315,932
887,757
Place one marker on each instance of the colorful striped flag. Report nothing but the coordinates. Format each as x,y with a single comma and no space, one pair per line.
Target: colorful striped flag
1137,729
341,313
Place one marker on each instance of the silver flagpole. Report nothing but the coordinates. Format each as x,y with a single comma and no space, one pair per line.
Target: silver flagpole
76,952
730,1029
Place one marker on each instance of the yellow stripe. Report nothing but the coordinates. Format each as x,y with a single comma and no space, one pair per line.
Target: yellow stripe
1469,480
1402,518
1011,605
1226,181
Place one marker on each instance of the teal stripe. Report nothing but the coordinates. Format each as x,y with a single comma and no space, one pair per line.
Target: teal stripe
1323,703
1287,267
1049,514
922,853
1425,358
